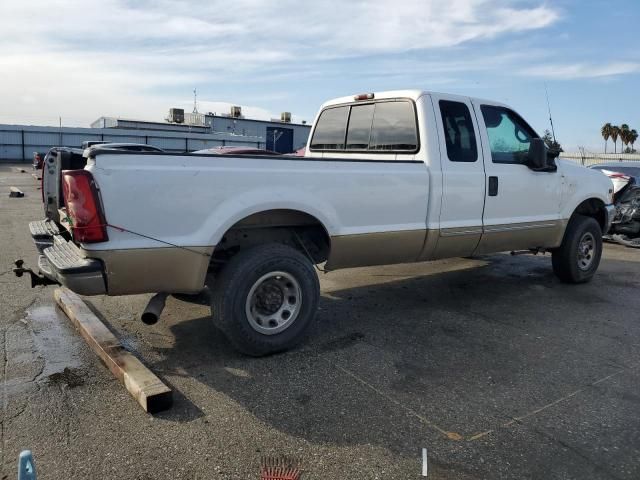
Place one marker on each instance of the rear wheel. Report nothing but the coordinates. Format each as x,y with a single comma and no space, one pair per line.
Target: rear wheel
578,257
265,298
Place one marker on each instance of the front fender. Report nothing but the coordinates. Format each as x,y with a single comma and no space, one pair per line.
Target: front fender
581,184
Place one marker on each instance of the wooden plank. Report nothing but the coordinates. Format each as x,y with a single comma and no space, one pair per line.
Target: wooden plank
15,192
142,384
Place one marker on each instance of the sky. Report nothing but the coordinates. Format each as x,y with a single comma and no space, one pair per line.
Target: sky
79,60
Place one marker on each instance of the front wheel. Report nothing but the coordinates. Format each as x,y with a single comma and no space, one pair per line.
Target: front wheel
265,298
578,257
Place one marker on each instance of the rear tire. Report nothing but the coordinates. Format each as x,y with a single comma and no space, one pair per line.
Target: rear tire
578,257
265,299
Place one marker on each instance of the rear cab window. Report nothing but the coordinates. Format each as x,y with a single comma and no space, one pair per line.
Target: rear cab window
330,129
385,126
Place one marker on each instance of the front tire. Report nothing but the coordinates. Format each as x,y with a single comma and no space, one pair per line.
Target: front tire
578,257
265,299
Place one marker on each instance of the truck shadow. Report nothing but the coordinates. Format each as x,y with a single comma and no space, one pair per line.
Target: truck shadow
462,350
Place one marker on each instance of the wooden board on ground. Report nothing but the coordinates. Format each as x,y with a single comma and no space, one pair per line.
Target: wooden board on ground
142,384
15,192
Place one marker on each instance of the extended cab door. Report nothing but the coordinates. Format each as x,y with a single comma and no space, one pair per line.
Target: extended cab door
522,206
463,176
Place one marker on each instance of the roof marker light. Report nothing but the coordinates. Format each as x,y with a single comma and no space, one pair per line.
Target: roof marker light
364,96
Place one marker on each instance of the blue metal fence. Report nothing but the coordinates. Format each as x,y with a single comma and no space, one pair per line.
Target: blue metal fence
18,142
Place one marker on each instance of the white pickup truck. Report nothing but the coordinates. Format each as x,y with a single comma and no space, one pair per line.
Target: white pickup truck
389,177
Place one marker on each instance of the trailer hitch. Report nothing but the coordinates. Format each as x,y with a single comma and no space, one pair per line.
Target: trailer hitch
35,278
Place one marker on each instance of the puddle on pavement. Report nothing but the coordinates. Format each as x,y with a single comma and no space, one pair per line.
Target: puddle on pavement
128,341
55,339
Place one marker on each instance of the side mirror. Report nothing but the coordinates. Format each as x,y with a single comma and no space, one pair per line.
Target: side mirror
537,156
553,153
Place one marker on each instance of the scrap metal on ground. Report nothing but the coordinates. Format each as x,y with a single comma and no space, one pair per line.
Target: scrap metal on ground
625,176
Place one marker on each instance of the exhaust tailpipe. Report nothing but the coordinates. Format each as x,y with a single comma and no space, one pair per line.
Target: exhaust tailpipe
152,313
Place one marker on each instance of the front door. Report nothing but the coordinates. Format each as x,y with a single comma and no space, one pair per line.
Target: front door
522,207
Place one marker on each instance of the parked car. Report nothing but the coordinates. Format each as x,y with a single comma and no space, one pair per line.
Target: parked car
129,147
91,143
387,177
226,150
626,182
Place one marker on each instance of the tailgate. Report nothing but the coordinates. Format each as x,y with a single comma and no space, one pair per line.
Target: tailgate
57,160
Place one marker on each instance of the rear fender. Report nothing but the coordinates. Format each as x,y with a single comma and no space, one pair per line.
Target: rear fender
237,208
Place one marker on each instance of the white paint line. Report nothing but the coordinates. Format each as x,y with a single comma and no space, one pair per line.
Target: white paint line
424,462
449,435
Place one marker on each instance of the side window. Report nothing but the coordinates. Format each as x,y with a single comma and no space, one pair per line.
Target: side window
394,127
359,128
509,135
458,132
330,128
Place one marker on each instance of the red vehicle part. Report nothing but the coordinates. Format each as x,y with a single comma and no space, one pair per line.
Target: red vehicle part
84,208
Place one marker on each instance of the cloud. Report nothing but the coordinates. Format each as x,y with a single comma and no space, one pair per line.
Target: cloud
329,27
86,58
570,71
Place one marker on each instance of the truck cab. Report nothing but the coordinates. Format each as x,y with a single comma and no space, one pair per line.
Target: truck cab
487,193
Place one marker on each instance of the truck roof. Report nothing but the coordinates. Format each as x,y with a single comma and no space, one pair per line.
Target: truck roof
412,94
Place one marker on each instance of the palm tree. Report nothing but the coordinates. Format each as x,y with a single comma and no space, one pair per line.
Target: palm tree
634,137
624,136
606,133
615,133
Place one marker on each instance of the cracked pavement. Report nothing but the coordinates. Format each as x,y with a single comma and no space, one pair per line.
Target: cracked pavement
496,368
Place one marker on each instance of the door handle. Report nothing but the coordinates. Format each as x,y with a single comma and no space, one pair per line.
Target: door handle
493,186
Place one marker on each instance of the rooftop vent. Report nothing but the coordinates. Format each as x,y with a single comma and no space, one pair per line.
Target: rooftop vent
285,117
176,115
236,111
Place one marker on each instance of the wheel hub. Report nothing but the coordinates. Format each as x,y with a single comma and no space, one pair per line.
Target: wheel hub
586,251
269,297
273,303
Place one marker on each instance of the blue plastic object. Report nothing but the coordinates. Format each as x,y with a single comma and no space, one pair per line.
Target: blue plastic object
26,466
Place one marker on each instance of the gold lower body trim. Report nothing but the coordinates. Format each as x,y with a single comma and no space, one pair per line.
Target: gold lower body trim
521,236
381,248
151,270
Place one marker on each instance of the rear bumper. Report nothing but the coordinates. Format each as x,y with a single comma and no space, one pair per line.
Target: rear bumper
42,233
118,272
610,213
63,262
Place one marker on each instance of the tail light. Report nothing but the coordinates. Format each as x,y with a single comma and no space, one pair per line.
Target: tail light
618,175
613,174
83,207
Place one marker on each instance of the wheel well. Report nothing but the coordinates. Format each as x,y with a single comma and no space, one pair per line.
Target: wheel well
290,227
593,207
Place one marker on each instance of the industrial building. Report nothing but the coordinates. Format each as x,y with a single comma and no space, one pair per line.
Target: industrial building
180,132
